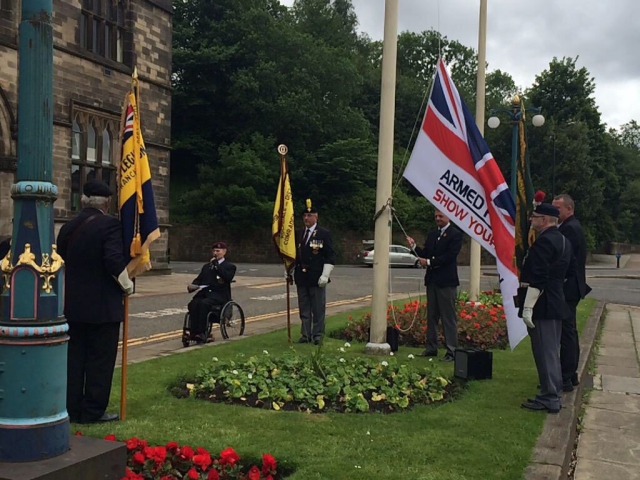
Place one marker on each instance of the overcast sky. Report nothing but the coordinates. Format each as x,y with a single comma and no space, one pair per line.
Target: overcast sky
523,36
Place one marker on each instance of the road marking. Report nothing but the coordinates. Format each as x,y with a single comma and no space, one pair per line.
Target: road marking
165,312
158,337
268,285
280,296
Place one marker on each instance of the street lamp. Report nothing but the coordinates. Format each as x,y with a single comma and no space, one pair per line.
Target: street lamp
515,114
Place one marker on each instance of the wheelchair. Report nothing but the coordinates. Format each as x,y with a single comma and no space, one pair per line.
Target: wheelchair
229,316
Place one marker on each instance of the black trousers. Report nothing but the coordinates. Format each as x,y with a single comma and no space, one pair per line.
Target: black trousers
199,308
91,358
569,346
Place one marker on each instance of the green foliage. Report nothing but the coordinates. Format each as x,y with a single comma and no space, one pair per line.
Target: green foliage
319,383
251,74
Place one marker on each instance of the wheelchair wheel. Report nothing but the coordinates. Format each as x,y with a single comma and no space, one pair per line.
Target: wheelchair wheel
231,320
186,335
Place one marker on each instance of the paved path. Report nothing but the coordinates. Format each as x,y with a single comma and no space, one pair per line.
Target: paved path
609,444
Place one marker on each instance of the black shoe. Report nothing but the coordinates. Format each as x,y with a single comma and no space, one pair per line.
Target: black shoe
316,342
567,387
106,417
302,340
574,381
430,353
538,407
447,358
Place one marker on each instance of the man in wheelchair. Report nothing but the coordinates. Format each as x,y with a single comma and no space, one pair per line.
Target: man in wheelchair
213,287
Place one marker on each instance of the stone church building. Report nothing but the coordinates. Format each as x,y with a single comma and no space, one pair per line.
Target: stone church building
96,45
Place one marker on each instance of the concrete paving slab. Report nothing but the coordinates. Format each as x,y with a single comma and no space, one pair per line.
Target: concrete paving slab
619,402
619,339
618,322
605,445
624,358
613,350
615,370
626,422
614,383
587,469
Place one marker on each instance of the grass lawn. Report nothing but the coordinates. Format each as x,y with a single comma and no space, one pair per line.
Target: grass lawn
482,435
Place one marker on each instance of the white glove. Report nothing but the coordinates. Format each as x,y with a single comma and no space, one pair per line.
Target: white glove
529,302
326,272
125,282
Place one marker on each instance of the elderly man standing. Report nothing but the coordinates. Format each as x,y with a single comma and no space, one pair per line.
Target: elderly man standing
315,259
440,257
95,282
575,289
544,269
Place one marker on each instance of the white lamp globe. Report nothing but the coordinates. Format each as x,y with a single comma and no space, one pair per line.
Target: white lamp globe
537,120
494,122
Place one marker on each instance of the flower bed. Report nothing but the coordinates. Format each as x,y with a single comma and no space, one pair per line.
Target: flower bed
174,462
323,382
481,324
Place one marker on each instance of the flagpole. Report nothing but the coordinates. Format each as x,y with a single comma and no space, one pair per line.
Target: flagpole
378,344
123,377
288,312
475,260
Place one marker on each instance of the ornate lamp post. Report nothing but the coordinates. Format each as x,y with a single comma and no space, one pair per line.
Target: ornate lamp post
34,424
515,114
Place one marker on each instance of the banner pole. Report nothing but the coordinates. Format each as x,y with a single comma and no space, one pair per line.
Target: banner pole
123,379
288,312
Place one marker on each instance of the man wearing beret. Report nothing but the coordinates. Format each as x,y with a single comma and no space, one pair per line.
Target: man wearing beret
544,271
213,285
575,289
315,259
95,281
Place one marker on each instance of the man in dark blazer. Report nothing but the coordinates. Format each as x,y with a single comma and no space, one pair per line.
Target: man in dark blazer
439,256
575,289
315,259
95,281
544,270
214,289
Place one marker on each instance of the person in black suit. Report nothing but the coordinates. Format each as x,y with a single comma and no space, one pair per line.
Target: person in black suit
575,289
315,259
214,289
439,256
544,271
95,281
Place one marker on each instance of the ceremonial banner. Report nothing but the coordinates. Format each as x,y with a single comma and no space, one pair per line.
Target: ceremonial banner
451,165
136,203
282,227
524,195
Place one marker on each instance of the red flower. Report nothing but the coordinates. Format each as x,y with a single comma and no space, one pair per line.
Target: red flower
228,457
213,474
202,451
186,453
476,325
138,458
268,463
157,454
192,474
203,460
78,433
111,437
254,473
172,447
134,443
129,475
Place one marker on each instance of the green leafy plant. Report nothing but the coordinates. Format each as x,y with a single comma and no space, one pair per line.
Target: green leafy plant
346,383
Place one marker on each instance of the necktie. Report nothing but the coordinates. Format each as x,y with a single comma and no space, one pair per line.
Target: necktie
306,237
439,234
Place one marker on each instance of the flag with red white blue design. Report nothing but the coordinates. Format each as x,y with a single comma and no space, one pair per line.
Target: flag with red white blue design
451,165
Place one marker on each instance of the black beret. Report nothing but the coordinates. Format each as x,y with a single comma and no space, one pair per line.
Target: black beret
96,188
547,209
219,245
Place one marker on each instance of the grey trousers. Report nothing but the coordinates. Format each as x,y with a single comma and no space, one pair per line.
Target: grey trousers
312,304
545,344
441,305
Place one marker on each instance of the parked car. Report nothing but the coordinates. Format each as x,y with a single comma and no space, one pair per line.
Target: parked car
399,256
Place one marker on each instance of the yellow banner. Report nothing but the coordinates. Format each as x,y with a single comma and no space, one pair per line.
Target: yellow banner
282,227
